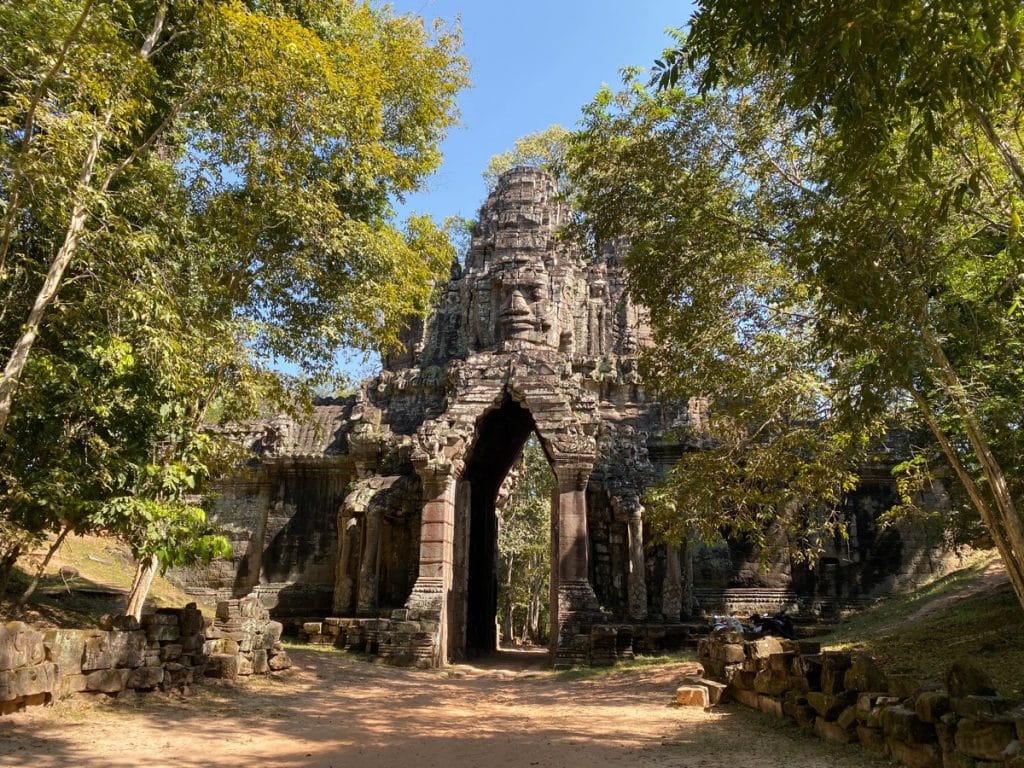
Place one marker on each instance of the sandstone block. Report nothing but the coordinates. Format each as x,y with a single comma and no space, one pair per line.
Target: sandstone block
716,691
127,648
931,705
65,647
829,706
222,665
831,731
119,622
915,755
176,675
747,698
864,674
848,717
163,633
98,653
20,646
983,707
693,696
771,705
107,680
984,740
245,667
259,663
773,682
903,685
313,627
833,672
763,648
873,740
170,652
902,724
191,621
145,678
71,684
279,661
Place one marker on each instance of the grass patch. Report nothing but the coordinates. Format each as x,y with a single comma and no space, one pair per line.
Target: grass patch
665,661
952,618
104,570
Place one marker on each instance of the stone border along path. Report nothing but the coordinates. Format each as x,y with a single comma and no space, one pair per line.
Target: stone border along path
333,711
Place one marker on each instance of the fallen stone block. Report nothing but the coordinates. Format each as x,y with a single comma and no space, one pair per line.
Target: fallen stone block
771,705
176,675
902,685
984,740
107,680
829,706
145,678
872,740
746,697
223,666
259,663
68,685
931,705
831,731
693,696
127,648
864,674
983,707
716,690
279,662
902,724
916,755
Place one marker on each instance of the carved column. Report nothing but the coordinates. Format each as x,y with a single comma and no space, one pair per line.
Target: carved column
344,583
637,584
369,565
428,602
574,605
672,589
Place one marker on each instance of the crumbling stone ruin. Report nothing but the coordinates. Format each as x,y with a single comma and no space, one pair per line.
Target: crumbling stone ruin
170,649
378,512
846,697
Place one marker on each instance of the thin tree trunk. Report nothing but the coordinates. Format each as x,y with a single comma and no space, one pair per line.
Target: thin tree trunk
42,566
76,227
1011,161
145,572
974,493
79,213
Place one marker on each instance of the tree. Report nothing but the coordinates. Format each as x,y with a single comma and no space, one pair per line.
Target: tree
191,192
885,189
543,149
681,178
524,547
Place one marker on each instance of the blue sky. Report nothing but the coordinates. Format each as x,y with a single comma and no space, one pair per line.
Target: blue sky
532,64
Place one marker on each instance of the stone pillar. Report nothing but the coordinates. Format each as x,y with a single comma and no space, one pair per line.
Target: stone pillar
637,584
574,605
428,602
369,564
460,573
672,589
348,543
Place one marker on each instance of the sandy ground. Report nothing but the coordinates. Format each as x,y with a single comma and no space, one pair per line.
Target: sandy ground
333,711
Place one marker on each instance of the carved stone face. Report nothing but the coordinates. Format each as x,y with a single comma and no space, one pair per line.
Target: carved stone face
524,309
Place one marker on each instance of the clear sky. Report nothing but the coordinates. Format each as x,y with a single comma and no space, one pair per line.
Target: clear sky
532,64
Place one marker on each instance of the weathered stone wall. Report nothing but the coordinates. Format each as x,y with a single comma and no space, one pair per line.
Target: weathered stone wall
171,649
844,697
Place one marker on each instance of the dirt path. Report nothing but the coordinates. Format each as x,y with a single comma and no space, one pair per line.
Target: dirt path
332,711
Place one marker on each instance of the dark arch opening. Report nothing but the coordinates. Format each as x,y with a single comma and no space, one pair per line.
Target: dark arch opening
500,437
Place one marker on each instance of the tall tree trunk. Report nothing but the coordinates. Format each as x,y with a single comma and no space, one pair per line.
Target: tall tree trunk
30,590
145,572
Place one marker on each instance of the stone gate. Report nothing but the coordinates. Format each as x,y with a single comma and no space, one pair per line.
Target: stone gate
382,505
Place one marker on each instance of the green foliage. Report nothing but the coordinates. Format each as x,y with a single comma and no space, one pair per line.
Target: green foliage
544,150
206,187
873,154
690,184
524,549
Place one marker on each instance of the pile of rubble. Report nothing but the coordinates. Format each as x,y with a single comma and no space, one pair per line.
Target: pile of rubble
848,698
171,649
244,641
164,651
